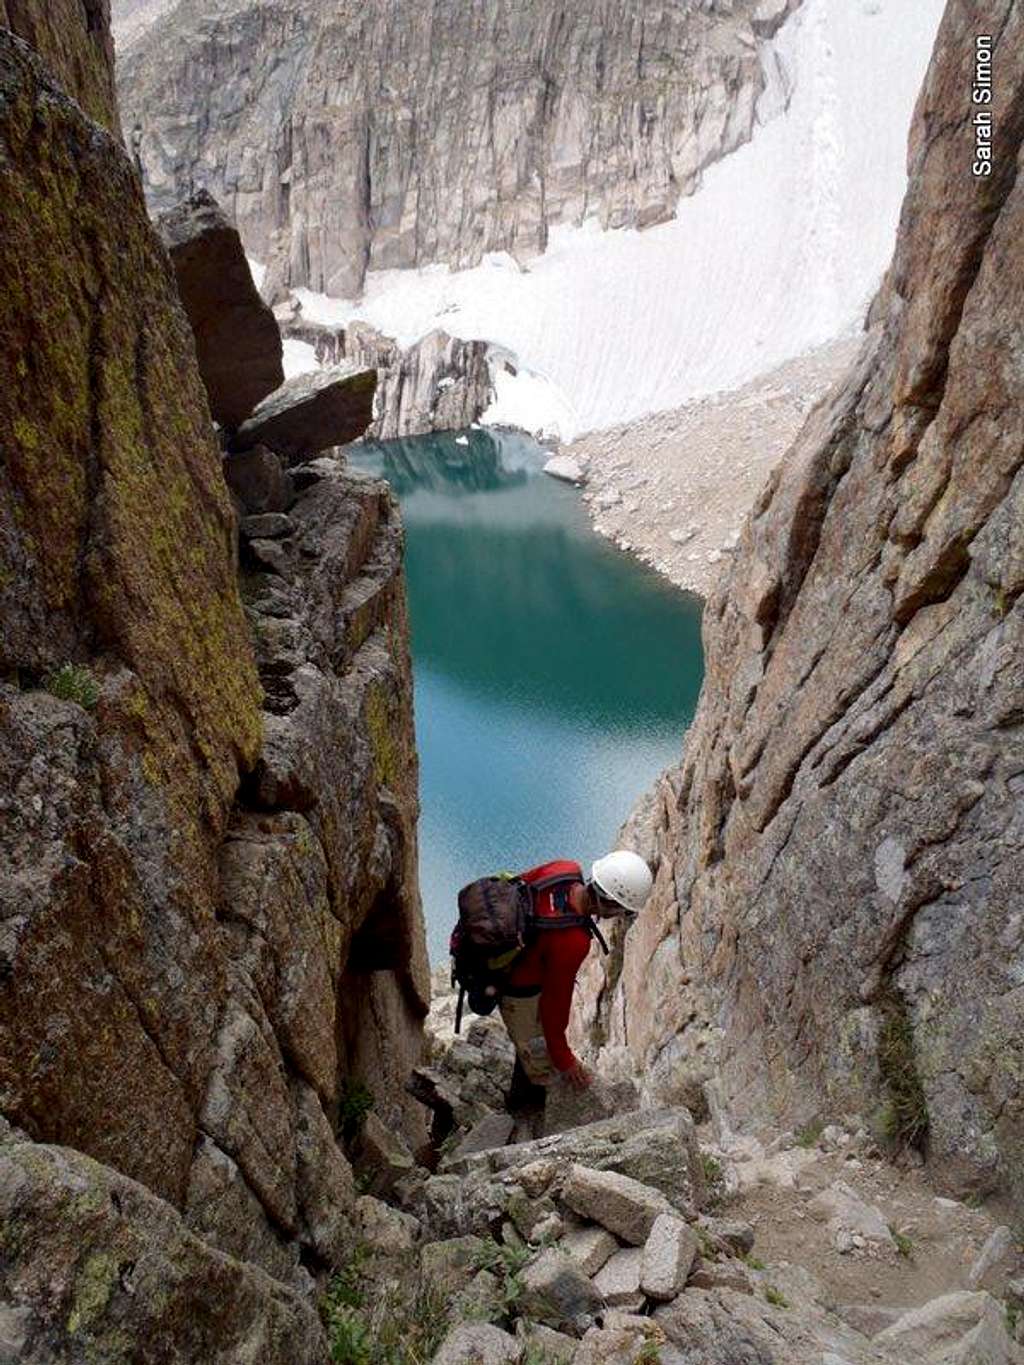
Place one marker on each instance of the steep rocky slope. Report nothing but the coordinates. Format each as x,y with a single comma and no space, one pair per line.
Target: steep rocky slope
838,923
344,137
209,920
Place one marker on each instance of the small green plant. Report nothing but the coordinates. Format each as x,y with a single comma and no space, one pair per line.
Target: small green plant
775,1297
752,1261
714,1177
904,1246
506,1263
649,1354
540,1355
347,1288
808,1135
351,1338
71,682
1012,1315
356,1103
381,1321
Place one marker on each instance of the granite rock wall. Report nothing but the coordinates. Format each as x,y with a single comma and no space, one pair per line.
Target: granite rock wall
344,137
837,926
209,920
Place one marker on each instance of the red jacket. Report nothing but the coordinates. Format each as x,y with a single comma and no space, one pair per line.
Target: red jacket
551,962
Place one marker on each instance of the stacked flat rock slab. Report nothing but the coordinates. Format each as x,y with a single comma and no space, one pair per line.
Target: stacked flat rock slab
668,1257
657,1147
238,344
618,1280
557,1293
623,1206
310,413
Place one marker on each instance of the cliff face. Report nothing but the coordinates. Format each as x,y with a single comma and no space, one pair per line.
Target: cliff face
73,38
344,137
209,921
837,926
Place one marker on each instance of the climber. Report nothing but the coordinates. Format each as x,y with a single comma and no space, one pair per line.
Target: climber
537,994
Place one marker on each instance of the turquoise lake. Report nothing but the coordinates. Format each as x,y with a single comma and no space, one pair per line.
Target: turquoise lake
554,676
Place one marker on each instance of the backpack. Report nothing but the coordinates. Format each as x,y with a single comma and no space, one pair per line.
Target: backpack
497,921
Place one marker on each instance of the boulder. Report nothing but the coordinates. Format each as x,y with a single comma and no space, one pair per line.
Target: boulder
564,467
92,1260
384,1228
998,1261
668,1256
477,1343
259,481
383,1157
493,1130
267,526
721,1275
589,1247
620,1204
566,1108
610,1346
554,1348
957,1329
737,1236
848,1217
451,1264
558,1294
527,1214
618,1280
238,344
310,413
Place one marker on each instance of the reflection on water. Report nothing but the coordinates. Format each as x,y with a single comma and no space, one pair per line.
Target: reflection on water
554,676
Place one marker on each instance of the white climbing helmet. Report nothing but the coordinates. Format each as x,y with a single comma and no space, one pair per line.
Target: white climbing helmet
624,878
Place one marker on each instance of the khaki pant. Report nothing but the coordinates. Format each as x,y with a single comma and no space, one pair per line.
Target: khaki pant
522,1019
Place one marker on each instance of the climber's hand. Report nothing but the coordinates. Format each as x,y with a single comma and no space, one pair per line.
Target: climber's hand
578,1076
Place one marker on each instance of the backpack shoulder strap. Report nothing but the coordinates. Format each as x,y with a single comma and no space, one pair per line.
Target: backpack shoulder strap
546,883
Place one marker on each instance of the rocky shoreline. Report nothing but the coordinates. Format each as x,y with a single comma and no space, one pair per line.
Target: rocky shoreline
674,488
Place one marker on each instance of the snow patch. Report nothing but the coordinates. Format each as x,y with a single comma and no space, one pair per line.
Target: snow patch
779,251
258,271
299,358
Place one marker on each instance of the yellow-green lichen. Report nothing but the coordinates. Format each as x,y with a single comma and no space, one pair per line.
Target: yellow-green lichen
383,742
93,1288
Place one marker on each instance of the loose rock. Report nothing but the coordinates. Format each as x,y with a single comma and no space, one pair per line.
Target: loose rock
667,1258
620,1204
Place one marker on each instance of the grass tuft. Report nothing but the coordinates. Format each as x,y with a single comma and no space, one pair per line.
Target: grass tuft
808,1135
71,682
904,1119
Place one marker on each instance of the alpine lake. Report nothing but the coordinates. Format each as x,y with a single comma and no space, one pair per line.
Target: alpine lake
554,675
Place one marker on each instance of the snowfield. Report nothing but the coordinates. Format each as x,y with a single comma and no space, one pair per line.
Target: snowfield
779,250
